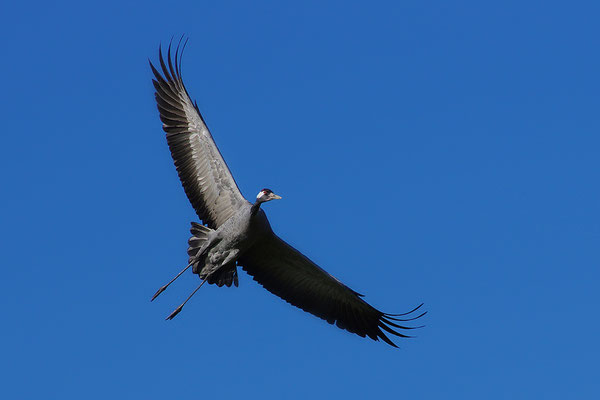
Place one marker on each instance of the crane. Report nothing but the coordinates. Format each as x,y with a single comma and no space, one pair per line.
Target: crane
235,232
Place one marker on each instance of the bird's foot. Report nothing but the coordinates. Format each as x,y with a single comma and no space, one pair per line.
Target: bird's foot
174,313
159,291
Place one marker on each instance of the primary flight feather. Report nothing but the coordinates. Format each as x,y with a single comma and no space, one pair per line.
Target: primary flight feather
237,232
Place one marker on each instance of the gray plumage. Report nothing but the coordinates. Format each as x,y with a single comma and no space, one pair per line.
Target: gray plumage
237,232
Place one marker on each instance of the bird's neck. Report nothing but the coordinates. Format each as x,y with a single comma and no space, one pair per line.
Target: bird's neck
255,207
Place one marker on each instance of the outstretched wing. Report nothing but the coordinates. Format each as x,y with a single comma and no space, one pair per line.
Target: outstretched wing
207,181
287,273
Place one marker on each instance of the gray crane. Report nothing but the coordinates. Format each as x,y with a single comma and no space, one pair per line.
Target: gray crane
237,232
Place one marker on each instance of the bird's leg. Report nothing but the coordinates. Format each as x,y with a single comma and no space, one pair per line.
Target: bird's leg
178,309
162,289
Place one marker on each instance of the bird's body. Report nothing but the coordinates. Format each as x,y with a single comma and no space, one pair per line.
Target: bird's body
237,232
225,245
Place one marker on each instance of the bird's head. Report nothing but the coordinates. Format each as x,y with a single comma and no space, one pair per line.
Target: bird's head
266,195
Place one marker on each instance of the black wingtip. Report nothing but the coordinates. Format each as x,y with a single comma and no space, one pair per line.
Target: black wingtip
170,62
386,339
163,65
405,319
181,53
387,323
406,313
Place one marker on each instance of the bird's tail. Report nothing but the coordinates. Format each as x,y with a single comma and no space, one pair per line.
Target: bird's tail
226,275
198,244
199,237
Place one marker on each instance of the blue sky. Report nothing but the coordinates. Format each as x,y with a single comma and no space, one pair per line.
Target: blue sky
426,152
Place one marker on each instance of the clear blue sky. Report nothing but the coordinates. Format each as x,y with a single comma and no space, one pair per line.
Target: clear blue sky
426,152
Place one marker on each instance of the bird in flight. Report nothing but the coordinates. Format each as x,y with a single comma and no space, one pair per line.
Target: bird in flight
236,232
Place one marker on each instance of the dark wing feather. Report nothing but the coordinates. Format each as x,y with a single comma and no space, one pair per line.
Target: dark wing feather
287,273
206,179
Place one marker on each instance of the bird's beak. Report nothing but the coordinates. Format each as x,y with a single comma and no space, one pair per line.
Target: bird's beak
276,197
